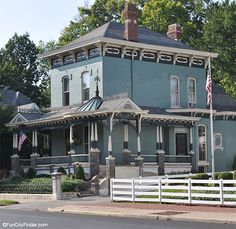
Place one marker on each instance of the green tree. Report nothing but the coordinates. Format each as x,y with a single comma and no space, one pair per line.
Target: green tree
6,114
89,18
20,70
220,36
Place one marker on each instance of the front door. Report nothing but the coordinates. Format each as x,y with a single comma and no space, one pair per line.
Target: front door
181,144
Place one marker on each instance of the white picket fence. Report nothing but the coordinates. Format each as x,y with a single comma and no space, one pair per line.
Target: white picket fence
187,191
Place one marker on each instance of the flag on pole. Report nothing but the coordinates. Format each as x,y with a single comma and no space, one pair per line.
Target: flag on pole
209,86
22,138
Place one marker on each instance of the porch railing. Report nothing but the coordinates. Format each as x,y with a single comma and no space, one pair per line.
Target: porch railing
177,159
25,162
59,160
168,158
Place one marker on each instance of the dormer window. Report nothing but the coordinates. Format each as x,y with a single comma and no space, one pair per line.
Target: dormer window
66,91
192,95
85,78
175,92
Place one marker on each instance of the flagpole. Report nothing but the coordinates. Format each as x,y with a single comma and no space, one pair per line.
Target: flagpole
212,132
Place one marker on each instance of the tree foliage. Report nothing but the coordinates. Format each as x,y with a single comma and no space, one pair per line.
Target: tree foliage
20,69
206,23
220,36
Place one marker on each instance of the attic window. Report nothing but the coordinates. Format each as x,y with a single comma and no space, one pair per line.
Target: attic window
66,91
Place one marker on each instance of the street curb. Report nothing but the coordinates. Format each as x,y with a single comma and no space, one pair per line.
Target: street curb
125,215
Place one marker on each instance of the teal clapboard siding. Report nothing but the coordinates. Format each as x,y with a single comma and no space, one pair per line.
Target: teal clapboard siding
149,84
74,71
224,159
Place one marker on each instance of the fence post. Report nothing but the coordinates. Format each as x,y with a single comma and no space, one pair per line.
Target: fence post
133,190
111,189
189,191
56,185
221,186
159,184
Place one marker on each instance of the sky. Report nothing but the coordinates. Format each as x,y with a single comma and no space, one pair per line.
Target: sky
42,19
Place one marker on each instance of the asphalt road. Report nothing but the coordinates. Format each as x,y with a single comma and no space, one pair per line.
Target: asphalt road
30,219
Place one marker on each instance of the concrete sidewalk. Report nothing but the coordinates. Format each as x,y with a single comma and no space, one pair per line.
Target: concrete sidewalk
103,206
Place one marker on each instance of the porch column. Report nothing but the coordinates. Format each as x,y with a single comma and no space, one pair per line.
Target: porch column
139,159
15,163
110,161
161,153
126,151
71,137
94,151
191,152
34,155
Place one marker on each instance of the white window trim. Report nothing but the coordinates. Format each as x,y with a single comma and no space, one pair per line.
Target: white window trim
82,89
171,92
201,161
178,130
195,84
63,92
220,147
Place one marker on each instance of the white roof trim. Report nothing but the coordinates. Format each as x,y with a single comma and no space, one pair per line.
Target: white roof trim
222,113
134,45
13,121
190,110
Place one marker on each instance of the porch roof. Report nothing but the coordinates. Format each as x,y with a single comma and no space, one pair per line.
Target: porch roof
120,106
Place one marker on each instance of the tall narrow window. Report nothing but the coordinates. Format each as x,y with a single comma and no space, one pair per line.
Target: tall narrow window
85,86
192,97
66,91
175,92
202,143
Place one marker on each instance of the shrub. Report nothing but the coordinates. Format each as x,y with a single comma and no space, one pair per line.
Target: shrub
217,175
79,173
43,176
30,173
234,175
17,179
200,176
71,185
61,170
225,176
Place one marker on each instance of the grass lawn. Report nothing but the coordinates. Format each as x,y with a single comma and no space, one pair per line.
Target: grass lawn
8,202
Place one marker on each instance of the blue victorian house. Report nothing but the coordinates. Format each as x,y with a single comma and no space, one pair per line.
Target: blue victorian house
123,95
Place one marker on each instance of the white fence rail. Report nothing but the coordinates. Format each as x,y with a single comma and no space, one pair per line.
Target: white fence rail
187,191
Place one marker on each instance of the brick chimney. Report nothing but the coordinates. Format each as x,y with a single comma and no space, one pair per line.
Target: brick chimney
130,15
174,32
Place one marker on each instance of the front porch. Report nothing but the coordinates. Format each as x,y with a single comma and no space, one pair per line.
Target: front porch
116,133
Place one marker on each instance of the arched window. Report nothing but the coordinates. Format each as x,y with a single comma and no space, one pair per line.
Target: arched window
66,91
192,94
85,78
175,92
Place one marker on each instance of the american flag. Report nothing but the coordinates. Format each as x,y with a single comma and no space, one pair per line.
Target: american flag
209,86
22,138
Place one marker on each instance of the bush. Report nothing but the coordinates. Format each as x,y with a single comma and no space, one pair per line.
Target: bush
200,176
234,175
217,175
43,176
17,179
225,176
79,173
61,170
30,173
71,185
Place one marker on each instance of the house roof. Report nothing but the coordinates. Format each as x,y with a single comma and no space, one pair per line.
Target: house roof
114,31
11,97
221,101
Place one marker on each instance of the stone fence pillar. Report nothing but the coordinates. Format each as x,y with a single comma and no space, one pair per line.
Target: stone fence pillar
15,162
56,185
110,170
139,163
94,162
33,158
